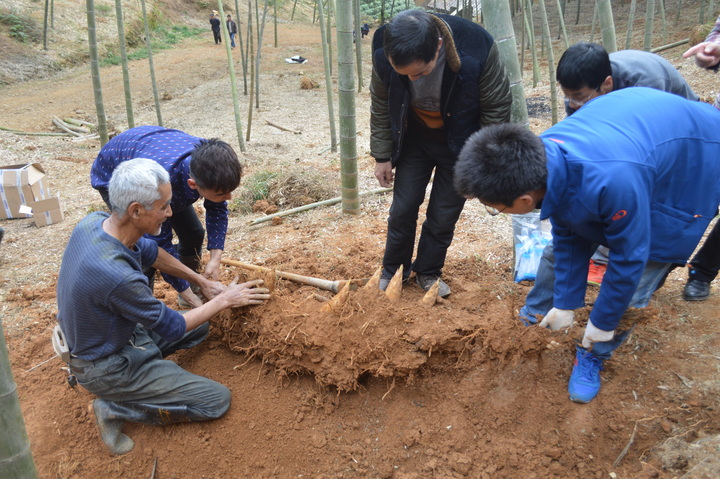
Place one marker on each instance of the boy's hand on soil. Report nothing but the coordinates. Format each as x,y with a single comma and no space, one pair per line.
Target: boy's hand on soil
558,319
594,335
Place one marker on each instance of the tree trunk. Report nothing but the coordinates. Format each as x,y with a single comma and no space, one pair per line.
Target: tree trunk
561,16
328,76
231,66
607,25
358,43
662,18
252,71
152,67
95,73
530,25
631,21
261,33
328,19
275,22
16,459
348,129
649,16
243,57
551,63
45,24
499,23
124,63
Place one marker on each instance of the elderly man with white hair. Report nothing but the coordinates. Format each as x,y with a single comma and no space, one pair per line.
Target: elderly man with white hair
118,333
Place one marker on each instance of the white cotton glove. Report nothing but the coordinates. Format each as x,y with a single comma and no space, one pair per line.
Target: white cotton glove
594,335
558,319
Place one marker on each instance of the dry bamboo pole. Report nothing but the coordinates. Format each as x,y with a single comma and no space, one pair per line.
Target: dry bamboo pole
310,206
32,133
57,122
324,284
670,45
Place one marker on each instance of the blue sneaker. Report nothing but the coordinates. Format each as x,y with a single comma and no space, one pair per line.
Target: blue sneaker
585,378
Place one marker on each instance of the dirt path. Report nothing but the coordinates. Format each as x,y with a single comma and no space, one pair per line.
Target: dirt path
457,390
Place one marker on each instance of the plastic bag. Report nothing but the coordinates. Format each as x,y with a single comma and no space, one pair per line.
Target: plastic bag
529,238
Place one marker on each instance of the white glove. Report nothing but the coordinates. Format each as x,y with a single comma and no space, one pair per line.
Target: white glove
594,335
558,319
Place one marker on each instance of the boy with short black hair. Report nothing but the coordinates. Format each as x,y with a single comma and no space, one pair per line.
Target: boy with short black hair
635,170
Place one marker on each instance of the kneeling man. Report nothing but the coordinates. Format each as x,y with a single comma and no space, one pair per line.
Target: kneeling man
117,331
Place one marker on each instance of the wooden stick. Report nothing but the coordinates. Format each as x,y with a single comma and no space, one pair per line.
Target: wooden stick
310,206
283,128
319,283
627,447
669,46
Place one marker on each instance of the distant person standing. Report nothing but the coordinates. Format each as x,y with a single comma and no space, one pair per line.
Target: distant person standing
215,25
232,30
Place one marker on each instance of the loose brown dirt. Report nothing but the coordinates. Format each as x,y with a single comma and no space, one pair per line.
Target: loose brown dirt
375,389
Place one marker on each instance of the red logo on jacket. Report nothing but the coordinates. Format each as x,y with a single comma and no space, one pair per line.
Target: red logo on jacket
620,214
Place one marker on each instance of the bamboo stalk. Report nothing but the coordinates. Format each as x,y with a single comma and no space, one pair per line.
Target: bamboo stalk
59,123
670,45
282,127
32,133
73,121
310,206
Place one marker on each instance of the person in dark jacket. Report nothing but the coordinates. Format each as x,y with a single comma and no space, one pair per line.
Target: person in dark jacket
704,266
232,30
635,170
436,79
215,26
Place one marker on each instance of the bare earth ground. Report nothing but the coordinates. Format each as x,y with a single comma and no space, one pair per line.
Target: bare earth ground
377,389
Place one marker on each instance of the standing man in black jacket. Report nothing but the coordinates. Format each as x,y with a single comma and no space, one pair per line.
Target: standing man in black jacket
436,80
215,25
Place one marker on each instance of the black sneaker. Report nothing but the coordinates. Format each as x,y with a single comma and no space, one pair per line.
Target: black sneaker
427,280
696,290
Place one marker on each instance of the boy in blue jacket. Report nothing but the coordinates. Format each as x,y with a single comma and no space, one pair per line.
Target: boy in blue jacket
635,170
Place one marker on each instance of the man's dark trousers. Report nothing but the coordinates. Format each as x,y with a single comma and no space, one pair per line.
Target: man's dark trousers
412,174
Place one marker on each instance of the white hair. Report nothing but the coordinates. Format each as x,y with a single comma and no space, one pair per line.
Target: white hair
136,180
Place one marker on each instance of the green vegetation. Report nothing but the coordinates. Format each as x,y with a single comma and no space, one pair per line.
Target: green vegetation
253,188
163,38
21,28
